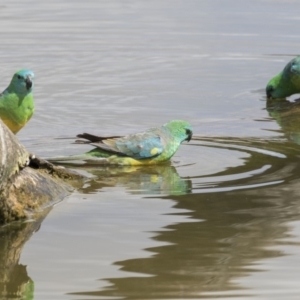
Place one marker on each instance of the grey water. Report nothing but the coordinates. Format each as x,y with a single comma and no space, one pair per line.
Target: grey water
222,220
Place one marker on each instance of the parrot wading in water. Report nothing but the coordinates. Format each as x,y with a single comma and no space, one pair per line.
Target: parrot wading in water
287,82
16,101
156,145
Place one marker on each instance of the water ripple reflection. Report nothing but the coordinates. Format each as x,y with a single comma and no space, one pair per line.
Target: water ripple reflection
264,163
191,228
233,231
214,164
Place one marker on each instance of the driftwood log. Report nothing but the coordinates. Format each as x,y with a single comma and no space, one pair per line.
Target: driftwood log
28,184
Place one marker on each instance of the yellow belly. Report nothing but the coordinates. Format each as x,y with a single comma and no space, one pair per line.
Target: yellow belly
128,161
13,126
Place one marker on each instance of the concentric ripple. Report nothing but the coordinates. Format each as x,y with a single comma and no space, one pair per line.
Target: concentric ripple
205,165
227,163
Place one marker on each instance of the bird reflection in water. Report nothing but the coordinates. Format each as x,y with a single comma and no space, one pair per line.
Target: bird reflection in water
15,283
287,115
162,179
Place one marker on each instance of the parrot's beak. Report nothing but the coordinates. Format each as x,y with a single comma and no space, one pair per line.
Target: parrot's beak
28,81
189,135
269,91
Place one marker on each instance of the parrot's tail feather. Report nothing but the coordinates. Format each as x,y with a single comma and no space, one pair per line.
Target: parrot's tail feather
93,138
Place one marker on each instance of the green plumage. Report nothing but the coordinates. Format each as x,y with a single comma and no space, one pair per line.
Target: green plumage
16,101
287,82
153,146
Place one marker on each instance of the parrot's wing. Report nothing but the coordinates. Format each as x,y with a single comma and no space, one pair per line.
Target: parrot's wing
139,146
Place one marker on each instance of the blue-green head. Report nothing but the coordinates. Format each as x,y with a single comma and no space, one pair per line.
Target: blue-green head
179,130
287,82
22,82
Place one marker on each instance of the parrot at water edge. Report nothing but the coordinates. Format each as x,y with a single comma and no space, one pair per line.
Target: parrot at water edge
156,145
287,82
16,101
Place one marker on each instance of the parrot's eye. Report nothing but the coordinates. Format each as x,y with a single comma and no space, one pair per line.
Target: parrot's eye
19,76
188,131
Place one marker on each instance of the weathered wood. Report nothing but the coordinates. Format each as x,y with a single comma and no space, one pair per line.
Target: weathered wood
12,155
28,185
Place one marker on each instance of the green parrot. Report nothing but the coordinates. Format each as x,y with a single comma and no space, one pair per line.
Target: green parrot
287,82
16,101
156,145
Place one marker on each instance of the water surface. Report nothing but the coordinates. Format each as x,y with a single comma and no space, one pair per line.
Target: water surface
221,221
